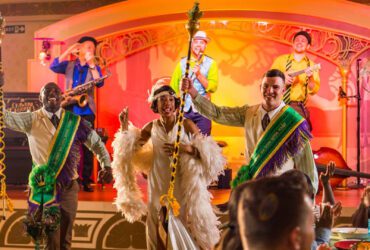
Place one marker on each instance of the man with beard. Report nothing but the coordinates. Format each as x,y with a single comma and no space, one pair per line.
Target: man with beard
55,136
277,137
204,74
300,86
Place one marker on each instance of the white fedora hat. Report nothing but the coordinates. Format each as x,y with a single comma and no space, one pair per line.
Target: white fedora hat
201,35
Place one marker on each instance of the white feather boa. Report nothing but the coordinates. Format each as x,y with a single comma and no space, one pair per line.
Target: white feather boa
125,165
196,175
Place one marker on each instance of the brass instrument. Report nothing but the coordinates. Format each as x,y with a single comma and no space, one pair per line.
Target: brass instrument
79,94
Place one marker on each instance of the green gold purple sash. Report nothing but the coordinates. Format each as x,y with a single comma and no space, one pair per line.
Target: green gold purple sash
42,179
271,147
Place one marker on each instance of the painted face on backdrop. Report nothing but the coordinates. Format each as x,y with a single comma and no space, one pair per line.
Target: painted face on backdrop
166,105
300,44
272,89
51,97
198,45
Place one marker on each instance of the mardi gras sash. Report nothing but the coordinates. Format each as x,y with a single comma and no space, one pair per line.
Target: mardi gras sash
42,179
286,134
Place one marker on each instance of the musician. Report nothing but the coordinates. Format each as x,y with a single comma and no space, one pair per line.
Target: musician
304,84
204,73
77,72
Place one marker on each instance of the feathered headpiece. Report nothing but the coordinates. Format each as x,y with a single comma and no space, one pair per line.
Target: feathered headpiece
154,95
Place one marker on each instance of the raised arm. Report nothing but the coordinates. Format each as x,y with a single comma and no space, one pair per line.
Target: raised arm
21,121
232,116
327,195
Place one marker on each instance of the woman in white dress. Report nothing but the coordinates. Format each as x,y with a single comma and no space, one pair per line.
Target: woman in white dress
150,150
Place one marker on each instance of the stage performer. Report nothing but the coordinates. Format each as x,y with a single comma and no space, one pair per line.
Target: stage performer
77,72
55,136
204,75
302,85
277,137
200,163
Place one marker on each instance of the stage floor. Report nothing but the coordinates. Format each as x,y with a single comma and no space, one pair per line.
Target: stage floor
99,226
349,197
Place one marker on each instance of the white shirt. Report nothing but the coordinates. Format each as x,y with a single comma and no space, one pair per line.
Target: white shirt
271,113
50,114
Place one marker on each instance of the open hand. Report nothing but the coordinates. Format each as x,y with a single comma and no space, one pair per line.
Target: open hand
326,219
123,119
330,168
337,209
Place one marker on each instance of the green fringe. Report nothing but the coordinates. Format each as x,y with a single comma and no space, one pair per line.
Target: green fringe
42,180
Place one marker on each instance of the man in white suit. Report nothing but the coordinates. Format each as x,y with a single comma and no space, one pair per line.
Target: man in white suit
270,150
55,136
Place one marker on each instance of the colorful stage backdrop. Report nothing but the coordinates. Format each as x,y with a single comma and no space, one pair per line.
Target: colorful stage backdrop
244,42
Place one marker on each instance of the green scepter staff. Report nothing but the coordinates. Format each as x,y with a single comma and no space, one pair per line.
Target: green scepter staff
170,206
6,202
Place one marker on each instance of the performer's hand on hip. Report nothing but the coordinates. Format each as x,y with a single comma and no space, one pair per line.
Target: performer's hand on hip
123,119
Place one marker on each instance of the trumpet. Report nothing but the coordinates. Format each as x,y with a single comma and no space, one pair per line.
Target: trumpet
78,95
